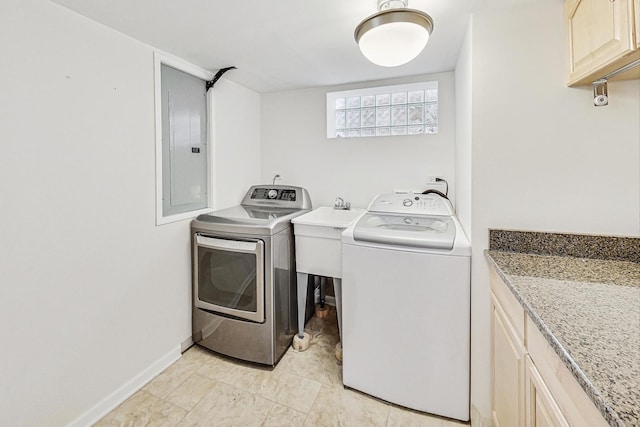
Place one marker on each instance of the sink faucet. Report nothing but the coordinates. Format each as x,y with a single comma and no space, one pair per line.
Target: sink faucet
341,204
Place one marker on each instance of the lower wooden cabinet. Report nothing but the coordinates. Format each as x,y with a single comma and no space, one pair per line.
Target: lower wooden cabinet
531,386
541,409
508,371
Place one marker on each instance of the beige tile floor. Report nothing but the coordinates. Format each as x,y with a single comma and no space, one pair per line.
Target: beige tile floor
304,389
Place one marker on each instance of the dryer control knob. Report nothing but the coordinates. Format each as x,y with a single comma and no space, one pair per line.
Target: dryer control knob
272,194
407,202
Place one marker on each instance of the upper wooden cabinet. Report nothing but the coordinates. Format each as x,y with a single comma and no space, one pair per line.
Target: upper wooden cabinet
602,36
636,9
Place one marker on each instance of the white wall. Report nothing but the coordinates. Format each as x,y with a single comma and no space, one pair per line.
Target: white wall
92,293
237,141
294,142
464,122
544,158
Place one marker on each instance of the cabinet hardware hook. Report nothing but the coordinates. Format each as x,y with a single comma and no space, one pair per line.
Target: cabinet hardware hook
600,93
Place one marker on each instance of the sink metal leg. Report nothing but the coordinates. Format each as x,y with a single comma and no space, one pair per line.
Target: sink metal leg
337,287
323,291
302,301
302,340
322,311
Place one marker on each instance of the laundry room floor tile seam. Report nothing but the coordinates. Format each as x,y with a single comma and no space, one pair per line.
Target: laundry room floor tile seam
304,389
249,379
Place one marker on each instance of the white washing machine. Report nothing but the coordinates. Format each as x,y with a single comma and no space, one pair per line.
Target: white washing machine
406,304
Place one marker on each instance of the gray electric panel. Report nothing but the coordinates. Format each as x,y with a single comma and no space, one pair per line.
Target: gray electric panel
184,142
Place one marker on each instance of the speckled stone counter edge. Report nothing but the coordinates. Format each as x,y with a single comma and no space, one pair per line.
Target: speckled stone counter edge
600,402
565,244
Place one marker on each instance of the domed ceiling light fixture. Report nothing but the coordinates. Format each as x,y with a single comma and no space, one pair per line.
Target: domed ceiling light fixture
395,35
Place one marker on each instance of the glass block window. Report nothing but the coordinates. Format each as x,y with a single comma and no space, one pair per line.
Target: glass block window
410,109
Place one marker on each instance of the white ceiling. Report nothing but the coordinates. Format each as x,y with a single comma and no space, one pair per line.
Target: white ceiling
277,44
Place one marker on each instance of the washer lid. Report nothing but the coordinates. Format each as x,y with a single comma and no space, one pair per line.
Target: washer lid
432,232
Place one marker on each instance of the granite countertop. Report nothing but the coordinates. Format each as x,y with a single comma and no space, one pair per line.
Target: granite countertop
587,308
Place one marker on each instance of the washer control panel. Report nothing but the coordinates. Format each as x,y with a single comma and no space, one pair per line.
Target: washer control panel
414,204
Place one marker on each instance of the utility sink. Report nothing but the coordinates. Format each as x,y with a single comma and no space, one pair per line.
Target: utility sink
329,217
319,252
318,240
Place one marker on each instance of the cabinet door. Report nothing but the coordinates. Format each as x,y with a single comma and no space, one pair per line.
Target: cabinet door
599,32
507,357
541,410
636,12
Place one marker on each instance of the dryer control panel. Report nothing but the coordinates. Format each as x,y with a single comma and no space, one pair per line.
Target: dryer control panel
277,196
266,193
412,204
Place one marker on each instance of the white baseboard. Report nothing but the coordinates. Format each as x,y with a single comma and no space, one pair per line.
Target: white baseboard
186,344
110,402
